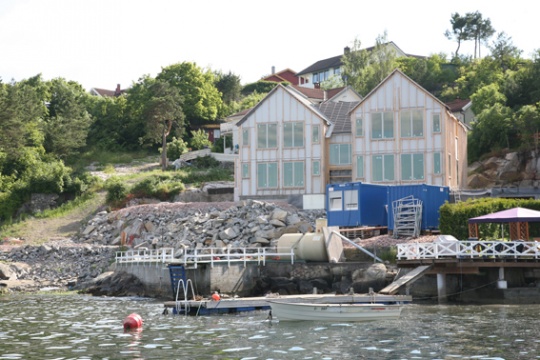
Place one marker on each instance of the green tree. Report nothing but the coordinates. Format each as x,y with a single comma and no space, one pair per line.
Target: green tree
202,100
486,97
109,122
504,52
528,125
162,110
480,30
66,126
355,67
460,30
229,86
492,130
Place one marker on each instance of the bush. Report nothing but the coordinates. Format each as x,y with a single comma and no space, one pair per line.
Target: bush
163,187
116,190
205,162
175,148
199,140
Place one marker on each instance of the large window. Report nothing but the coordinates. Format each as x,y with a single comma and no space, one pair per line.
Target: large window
436,123
293,174
382,125
267,175
412,123
360,166
383,168
359,127
293,134
340,154
437,163
412,166
266,136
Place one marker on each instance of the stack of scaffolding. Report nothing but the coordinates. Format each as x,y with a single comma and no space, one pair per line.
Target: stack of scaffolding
407,217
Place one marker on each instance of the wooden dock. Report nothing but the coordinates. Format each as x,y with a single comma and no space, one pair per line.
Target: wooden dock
232,305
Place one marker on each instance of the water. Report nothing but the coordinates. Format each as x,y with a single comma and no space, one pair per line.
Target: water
81,327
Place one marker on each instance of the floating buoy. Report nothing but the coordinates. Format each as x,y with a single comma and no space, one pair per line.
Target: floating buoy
215,296
133,321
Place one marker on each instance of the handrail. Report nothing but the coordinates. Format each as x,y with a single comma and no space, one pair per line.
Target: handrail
162,255
185,290
469,249
192,257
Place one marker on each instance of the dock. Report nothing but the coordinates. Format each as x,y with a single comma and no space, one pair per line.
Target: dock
240,304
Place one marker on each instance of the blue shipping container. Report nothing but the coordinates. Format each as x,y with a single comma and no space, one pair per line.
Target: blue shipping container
432,197
356,204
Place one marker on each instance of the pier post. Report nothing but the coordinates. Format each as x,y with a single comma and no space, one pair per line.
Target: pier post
441,288
501,283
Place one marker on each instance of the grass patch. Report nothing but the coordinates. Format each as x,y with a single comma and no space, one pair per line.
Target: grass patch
67,207
105,158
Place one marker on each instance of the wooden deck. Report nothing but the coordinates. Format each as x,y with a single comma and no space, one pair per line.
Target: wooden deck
231,305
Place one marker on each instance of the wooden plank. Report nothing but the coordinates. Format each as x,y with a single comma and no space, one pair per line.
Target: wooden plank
410,277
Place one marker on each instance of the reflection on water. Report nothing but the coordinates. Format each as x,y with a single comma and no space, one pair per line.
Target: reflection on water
81,327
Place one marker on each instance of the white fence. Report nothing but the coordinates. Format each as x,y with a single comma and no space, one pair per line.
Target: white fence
193,257
469,250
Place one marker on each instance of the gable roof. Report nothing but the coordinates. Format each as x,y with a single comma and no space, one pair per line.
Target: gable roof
338,91
108,93
308,104
335,61
397,72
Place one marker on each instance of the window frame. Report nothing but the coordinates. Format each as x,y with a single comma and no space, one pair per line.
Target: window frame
245,170
316,169
268,176
359,124
414,161
245,137
360,172
409,121
436,129
437,165
339,154
384,167
384,119
294,171
315,134
267,139
294,137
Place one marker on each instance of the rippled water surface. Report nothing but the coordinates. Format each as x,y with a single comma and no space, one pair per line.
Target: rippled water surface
80,327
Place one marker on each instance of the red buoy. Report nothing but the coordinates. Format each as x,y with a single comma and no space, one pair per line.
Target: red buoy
215,296
133,321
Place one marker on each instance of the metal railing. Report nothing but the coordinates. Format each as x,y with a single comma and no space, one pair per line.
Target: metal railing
192,257
163,255
470,250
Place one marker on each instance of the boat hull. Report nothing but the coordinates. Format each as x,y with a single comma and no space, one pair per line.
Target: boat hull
334,312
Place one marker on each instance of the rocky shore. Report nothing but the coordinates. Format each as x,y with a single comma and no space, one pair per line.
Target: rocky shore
84,262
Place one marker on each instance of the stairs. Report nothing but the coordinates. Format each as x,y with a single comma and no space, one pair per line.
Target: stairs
177,273
407,217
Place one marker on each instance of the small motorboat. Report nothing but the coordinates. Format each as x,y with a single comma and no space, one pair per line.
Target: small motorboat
285,311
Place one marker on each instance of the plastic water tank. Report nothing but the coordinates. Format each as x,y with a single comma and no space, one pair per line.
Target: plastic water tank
309,246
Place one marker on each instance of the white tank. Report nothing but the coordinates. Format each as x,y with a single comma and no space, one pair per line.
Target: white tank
309,246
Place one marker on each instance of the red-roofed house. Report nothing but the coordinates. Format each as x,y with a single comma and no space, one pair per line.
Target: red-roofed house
109,93
283,75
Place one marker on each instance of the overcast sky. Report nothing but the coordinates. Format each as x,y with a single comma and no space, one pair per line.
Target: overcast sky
101,43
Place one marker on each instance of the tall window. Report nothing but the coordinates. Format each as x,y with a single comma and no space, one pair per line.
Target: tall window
383,168
359,127
436,123
412,166
267,175
293,174
337,71
266,136
315,78
437,163
412,123
315,134
382,125
316,168
293,134
245,171
245,137
340,154
360,166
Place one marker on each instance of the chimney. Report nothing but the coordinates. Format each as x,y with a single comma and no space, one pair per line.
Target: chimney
346,50
117,92
273,70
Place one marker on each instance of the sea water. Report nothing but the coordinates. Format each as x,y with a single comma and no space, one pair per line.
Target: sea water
48,326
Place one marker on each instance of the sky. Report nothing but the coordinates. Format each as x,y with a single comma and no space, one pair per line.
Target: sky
102,43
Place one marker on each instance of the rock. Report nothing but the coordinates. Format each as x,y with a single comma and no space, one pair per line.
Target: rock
5,272
279,214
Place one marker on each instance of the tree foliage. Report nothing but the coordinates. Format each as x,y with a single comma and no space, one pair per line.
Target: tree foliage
202,100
